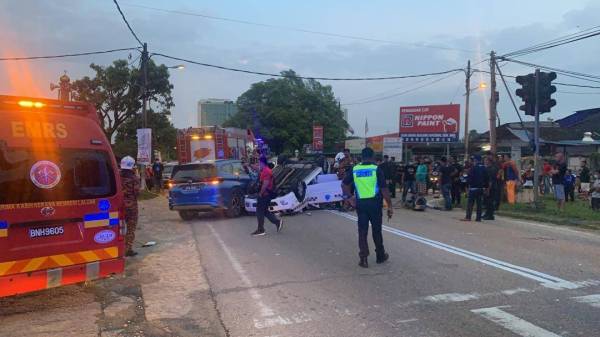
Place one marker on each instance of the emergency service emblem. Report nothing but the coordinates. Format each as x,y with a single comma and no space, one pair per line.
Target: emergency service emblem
45,174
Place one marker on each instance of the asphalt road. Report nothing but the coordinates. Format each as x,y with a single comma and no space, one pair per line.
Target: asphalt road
444,277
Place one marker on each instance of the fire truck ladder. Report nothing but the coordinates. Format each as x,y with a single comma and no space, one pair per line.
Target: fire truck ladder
219,144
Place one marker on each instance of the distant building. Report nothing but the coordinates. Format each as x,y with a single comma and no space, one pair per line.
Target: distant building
214,111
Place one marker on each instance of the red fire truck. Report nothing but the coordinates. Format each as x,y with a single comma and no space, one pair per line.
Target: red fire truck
213,142
61,207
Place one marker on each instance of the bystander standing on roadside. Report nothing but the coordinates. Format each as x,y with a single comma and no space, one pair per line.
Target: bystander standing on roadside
421,177
265,195
446,173
490,197
400,169
409,182
157,170
584,180
478,184
456,183
596,192
569,182
558,177
511,177
546,176
388,172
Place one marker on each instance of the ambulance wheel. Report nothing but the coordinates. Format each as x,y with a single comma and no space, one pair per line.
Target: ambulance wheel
187,215
300,191
236,205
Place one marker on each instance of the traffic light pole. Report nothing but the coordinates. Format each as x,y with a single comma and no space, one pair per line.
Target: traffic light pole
493,102
536,137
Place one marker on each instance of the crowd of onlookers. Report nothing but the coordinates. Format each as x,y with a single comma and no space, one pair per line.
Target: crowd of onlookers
485,181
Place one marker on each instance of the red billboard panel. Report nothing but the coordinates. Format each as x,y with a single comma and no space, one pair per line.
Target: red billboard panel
317,138
430,123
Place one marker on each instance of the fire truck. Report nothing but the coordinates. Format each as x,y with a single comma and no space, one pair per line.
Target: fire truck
61,206
213,142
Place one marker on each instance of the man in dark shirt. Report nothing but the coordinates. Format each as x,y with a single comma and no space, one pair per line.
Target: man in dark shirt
370,190
456,183
409,181
558,177
389,171
446,172
478,182
490,196
584,179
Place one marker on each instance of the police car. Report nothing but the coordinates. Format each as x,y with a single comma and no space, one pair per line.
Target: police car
299,185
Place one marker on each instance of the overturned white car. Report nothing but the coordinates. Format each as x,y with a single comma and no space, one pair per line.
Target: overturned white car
299,185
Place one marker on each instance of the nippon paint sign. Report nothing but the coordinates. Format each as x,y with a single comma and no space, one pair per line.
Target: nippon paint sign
430,123
392,147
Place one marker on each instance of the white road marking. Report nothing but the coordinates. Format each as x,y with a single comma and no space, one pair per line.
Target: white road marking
515,291
593,300
270,322
407,320
513,323
265,311
545,279
452,297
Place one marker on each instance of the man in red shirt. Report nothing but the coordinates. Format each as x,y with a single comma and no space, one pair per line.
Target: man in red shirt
264,199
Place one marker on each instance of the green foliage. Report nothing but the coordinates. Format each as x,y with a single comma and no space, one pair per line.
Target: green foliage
115,91
282,111
164,136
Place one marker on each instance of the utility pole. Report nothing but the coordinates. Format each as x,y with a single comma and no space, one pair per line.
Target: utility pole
467,97
493,102
144,69
536,140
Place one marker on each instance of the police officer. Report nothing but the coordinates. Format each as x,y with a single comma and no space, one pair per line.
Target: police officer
370,189
131,189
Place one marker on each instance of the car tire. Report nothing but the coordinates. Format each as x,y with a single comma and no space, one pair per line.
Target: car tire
236,205
300,191
187,215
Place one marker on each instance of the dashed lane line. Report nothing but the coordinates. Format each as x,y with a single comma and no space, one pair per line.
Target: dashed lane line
513,323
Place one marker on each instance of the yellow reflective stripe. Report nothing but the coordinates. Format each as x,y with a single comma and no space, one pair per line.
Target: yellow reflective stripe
34,264
113,215
3,233
61,260
89,256
96,223
112,251
5,266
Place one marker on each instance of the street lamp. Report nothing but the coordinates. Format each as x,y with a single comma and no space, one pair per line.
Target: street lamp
178,67
468,91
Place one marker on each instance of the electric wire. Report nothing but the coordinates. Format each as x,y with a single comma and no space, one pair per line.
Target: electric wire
65,55
509,93
127,23
570,38
304,77
301,30
568,73
402,92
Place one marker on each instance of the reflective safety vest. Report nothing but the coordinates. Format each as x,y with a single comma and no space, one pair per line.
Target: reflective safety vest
365,181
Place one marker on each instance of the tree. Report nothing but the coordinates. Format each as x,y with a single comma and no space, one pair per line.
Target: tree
164,136
283,111
116,92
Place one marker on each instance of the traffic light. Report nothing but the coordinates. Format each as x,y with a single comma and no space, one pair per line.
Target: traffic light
527,93
545,91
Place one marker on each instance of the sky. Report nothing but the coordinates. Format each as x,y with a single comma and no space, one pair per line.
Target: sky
412,37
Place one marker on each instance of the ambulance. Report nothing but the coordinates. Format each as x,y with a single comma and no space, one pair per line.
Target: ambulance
61,206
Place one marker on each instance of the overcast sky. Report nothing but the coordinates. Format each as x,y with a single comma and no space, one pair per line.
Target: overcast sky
465,29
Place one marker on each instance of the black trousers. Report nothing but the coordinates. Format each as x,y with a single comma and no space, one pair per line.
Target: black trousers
262,211
370,211
456,193
490,203
570,193
475,197
392,188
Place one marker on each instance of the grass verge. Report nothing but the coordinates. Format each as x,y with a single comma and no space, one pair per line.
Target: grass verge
576,213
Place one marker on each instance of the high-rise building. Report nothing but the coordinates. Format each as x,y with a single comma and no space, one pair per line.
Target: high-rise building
214,111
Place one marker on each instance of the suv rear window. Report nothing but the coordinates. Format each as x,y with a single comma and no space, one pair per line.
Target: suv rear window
84,174
193,172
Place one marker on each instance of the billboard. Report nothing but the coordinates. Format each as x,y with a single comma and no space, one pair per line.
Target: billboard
317,138
392,147
144,140
430,123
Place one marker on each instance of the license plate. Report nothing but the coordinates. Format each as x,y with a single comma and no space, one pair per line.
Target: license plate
46,231
191,187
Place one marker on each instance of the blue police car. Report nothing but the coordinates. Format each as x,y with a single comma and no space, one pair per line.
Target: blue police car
207,186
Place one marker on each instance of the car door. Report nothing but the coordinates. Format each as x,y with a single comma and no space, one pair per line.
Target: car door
242,177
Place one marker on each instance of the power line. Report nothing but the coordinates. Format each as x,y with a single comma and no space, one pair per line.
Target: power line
65,55
570,38
127,23
554,83
568,73
402,92
301,30
578,93
305,77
